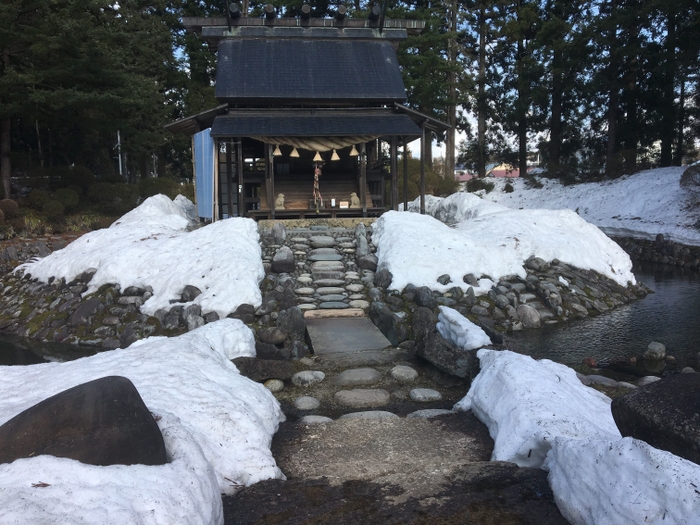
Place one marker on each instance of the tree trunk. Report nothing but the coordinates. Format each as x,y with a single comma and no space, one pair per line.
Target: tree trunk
610,160
555,124
522,104
668,123
481,100
5,136
452,102
678,156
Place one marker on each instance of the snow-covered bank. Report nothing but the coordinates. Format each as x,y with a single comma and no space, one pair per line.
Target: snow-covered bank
526,404
150,246
489,240
539,414
640,205
217,425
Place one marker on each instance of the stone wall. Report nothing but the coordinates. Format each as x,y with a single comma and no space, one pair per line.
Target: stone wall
661,251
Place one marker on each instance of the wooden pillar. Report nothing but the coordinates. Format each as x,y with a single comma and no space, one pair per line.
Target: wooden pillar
242,212
270,170
215,211
405,175
363,178
422,170
394,173
230,179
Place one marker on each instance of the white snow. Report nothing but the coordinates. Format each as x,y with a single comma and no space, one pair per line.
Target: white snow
150,246
623,482
640,205
526,404
217,425
489,241
540,415
460,331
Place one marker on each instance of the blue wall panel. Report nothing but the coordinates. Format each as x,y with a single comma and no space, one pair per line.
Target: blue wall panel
204,151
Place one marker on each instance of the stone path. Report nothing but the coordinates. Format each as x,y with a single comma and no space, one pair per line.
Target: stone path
344,334
324,262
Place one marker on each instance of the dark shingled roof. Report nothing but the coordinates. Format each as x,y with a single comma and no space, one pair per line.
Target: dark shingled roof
289,69
335,124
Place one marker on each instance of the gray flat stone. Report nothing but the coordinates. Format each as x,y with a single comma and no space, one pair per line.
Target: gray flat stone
307,306
333,305
358,377
325,290
308,377
306,403
322,241
357,297
324,251
305,291
302,240
404,374
305,280
315,420
329,282
274,385
328,275
429,412
359,303
340,335
354,287
370,414
425,395
332,297
336,266
328,257
362,397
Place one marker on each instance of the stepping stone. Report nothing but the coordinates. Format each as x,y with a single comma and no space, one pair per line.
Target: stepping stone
305,291
343,334
336,314
308,378
358,377
333,297
333,305
359,303
274,385
300,247
425,395
404,374
429,412
322,241
357,296
345,239
335,266
354,287
315,420
348,250
305,280
362,397
302,240
346,244
320,275
370,414
328,257
325,290
330,282
319,228
324,251
306,403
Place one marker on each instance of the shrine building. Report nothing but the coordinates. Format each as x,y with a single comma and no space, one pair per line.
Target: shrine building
309,109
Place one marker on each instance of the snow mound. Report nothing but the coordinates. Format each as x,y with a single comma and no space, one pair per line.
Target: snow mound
190,377
51,490
623,482
460,331
456,208
493,242
526,404
641,205
150,246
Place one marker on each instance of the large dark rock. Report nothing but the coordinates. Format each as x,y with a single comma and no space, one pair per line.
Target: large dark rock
665,414
103,422
263,369
292,321
423,323
85,310
189,293
283,261
383,278
273,336
269,351
245,313
384,319
444,356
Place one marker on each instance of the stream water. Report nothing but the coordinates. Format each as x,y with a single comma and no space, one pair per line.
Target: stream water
671,316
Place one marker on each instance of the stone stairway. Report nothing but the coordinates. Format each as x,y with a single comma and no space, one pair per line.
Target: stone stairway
330,274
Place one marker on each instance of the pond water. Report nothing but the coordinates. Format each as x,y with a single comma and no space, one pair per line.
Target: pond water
671,316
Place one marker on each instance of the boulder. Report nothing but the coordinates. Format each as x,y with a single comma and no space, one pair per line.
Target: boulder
85,310
665,414
424,297
245,313
189,293
283,261
367,262
423,323
273,336
279,232
269,351
383,278
263,369
655,352
444,356
384,319
292,321
102,422
529,316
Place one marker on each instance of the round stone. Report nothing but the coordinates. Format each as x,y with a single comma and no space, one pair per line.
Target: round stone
425,395
305,280
404,374
369,414
356,296
354,287
332,297
307,306
326,257
315,420
362,397
655,351
304,291
429,412
358,377
333,305
306,403
274,385
646,380
359,303
322,241
308,377
329,282
327,290
324,251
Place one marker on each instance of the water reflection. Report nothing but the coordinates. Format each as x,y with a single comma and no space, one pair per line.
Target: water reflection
18,351
671,315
